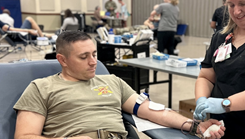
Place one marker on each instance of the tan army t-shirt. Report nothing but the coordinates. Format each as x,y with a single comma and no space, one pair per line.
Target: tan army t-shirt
73,108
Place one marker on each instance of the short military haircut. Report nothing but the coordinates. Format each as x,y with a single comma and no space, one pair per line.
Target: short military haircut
64,40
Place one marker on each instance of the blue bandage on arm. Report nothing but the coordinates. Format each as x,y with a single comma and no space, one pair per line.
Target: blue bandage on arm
142,97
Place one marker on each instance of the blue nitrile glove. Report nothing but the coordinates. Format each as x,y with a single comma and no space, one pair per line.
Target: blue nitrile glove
200,106
214,106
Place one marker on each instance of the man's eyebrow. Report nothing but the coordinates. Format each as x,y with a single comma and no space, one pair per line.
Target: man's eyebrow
87,53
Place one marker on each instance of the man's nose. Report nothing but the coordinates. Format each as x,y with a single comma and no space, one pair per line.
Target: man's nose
93,61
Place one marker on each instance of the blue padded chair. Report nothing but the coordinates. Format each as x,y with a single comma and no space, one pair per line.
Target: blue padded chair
15,77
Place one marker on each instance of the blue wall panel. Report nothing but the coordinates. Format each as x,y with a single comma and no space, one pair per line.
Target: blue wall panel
14,7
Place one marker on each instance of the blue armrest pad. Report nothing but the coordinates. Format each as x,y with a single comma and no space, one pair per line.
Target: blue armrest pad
161,132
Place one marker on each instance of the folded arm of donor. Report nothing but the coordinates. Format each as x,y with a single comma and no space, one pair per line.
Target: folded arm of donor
75,102
29,25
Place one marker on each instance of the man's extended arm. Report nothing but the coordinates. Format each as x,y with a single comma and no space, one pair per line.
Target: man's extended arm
167,118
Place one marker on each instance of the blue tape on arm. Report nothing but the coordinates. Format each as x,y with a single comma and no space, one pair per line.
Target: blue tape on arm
136,107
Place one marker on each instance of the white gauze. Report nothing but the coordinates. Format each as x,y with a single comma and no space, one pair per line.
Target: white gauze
213,128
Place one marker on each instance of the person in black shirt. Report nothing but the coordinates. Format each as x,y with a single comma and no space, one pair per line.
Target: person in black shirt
220,17
220,88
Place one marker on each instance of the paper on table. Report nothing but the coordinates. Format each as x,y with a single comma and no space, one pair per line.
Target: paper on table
143,125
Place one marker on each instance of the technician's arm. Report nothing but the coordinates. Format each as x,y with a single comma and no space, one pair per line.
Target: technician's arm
29,125
213,25
167,118
204,83
237,101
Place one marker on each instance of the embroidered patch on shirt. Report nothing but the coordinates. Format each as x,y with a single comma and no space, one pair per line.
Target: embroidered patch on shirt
103,90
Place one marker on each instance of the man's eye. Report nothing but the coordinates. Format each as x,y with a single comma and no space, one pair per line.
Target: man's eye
83,57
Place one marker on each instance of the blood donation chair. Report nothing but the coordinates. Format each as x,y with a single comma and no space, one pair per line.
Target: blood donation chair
15,77
8,45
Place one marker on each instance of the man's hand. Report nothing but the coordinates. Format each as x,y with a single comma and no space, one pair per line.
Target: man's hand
214,135
200,106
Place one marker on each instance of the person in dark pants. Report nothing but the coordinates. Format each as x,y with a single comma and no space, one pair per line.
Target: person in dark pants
166,41
169,12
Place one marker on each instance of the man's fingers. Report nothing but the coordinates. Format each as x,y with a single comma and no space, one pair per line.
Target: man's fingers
214,121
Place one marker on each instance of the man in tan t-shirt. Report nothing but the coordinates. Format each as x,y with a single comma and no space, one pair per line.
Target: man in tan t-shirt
75,103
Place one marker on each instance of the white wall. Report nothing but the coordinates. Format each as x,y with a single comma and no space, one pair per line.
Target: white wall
56,6
47,12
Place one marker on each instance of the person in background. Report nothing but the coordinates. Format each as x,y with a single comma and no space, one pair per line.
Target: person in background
69,19
220,17
167,28
77,104
220,88
155,23
100,19
6,18
29,25
111,6
124,12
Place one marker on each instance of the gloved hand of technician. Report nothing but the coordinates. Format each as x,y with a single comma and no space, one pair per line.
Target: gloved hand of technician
214,106
200,106
208,105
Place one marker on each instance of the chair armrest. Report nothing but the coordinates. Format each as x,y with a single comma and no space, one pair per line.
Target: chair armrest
161,132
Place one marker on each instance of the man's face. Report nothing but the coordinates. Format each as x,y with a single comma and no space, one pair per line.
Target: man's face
81,62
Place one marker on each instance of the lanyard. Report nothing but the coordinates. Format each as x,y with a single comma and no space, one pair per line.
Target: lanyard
228,37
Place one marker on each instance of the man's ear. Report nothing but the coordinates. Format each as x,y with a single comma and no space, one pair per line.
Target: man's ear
62,59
